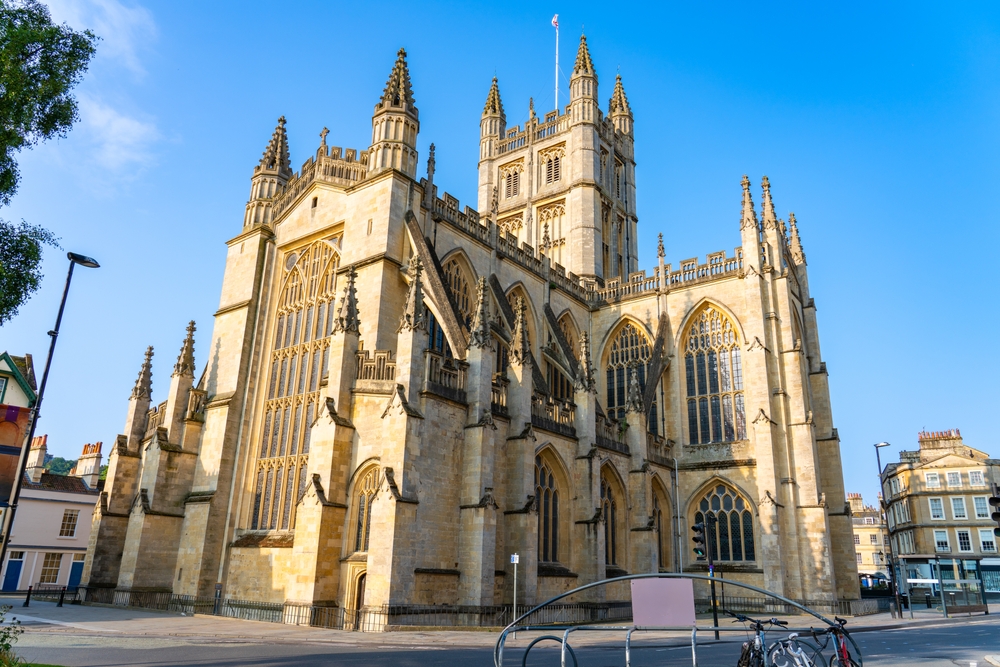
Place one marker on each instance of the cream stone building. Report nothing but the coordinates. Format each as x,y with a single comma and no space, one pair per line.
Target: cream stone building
871,537
399,393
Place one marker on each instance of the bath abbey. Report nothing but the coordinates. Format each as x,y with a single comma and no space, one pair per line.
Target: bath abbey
399,392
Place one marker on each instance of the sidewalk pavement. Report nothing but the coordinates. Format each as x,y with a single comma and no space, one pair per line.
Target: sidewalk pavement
90,620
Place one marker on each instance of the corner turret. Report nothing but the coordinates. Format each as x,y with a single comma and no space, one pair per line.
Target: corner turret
395,124
619,111
583,87
269,177
493,123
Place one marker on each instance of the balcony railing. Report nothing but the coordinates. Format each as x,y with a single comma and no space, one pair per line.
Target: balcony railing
658,449
444,376
498,395
553,415
611,436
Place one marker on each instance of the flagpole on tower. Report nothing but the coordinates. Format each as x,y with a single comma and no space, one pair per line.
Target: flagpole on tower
555,24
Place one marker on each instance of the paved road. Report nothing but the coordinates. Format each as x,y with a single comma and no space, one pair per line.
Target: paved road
91,637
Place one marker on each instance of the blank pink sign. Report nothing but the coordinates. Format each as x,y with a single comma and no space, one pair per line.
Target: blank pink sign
663,602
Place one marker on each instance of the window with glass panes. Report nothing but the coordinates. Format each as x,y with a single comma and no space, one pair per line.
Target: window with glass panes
609,507
305,310
982,507
933,480
937,508
69,521
714,377
976,478
873,539
987,540
459,286
958,508
364,497
954,479
630,347
548,511
964,540
50,569
857,539
733,538
941,542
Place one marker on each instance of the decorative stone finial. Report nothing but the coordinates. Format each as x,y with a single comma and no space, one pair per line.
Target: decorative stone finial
347,315
185,360
546,241
660,252
531,108
748,218
769,219
430,163
495,203
493,106
398,92
480,336
276,156
585,380
634,401
520,346
144,383
413,313
794,242
584,65
619,101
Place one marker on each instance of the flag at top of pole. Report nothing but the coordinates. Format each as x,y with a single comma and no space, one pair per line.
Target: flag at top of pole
555,24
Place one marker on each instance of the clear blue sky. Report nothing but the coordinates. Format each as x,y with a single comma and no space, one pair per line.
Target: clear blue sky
878,125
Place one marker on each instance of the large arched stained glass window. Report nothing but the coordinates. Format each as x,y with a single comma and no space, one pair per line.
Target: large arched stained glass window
364,496
732,537
630,347
548,512
714,370
300,342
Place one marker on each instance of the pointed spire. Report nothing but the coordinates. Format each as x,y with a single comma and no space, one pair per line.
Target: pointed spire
584,66
634,401
347,315
494,106
585,380
413,313
275,156
794,242
480,330
748,217
398,92
185,360
619,101
144,383
430,164
769,219
520,347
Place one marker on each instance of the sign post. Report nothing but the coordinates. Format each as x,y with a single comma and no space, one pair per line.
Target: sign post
514,558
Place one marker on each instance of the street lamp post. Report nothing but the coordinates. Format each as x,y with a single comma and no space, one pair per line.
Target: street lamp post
885,510
22,463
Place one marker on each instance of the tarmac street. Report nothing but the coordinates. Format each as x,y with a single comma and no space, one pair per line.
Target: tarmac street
88,636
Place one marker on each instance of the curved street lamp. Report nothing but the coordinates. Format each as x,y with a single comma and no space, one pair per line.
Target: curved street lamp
892,556
22,463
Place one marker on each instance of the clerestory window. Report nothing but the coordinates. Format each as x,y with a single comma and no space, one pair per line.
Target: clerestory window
714,370
630,347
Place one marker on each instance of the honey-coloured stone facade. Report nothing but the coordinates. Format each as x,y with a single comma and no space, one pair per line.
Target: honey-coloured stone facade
399,394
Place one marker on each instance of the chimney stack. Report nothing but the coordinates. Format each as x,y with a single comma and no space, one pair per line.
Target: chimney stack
36,458
88,466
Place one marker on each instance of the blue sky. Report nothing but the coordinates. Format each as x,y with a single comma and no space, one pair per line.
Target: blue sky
879,126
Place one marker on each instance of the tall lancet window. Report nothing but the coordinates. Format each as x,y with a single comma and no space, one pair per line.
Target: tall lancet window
548,512
462,292
732,536
630,347
714,370
364,496
300,329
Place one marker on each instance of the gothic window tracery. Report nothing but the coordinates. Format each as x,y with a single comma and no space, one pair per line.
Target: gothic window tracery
510,178
714,370
609,510
658,523
364,497
547,495
300,343
731,539
460,288
550,160
630,347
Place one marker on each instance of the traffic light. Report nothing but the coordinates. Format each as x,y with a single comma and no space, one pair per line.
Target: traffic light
699,540
995,502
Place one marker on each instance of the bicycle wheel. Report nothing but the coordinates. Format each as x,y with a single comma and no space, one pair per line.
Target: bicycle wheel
779,656
812,651
835,662
786,654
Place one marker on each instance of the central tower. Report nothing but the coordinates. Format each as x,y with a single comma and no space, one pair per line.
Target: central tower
565,184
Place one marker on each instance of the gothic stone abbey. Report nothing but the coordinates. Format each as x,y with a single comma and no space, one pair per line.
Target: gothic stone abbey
399,394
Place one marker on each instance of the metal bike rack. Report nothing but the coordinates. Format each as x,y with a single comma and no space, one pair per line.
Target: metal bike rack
629,629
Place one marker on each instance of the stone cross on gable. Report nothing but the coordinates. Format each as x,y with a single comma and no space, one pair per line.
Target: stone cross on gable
322,136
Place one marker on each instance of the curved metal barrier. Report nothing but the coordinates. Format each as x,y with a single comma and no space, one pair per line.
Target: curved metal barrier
629,629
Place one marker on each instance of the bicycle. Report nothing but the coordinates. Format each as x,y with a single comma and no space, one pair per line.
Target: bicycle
791,652
841,656
753,654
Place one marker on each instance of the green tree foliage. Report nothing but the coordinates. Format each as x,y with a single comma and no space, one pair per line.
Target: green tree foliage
104,472
60,466
40,63
20,264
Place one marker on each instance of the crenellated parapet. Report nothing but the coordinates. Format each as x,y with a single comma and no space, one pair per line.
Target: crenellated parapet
342,167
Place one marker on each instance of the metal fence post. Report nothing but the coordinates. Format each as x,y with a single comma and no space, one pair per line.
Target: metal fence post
27,600
62,594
